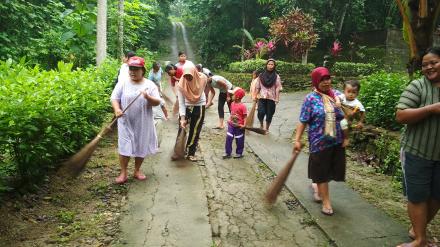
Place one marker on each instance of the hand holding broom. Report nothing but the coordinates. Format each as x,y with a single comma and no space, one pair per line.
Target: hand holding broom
278,183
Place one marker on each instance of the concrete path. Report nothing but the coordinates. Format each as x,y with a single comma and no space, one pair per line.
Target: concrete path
235,190
170,208
355,222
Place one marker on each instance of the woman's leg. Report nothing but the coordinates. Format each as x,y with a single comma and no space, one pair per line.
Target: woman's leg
270,111
195,127
325,195
123,162
221,109
261,111
137,166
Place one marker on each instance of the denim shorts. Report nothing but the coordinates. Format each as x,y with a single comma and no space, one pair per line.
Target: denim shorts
421,178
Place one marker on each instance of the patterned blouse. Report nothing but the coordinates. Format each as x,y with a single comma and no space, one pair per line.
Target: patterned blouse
313,114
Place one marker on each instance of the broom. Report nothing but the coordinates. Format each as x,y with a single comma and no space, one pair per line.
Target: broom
78,161
277,184
256,130
250,117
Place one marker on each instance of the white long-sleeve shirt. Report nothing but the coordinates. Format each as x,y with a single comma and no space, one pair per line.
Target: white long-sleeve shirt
183,102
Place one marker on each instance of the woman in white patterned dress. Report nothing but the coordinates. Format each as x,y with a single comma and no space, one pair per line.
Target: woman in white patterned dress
136,131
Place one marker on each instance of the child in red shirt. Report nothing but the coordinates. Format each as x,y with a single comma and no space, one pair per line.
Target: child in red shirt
236,124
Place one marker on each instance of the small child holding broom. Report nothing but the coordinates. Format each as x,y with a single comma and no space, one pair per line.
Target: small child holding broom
236,125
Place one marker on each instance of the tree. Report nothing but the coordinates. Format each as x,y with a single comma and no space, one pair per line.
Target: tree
295,30
121,28
101,32
420,21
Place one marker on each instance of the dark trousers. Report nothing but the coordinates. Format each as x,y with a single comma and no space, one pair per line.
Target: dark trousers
266,107
239,139
222,98
195,116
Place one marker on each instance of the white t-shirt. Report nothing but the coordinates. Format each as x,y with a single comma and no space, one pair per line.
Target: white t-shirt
352,103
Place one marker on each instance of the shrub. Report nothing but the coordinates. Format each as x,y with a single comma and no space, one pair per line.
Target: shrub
282,67
290,82
379,94
353,69
48,115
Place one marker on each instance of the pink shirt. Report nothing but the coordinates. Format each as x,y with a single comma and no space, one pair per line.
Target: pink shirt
272,93
238,113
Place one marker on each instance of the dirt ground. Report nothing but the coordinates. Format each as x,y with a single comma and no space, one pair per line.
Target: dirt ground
68,212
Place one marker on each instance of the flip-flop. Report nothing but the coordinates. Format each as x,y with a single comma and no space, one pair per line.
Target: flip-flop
327,211
140,177
218,128
120,180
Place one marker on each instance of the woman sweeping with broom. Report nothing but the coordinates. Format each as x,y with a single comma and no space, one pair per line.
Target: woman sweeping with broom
192,101
136,131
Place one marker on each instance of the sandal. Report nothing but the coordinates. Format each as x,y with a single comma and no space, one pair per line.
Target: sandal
315,195
327,211
192,158
218,128
140,176
121,180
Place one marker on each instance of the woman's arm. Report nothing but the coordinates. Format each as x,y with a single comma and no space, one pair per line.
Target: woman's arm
257,90
298,135
117,108
415,115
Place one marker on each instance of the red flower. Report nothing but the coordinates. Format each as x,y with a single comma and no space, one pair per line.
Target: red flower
336,49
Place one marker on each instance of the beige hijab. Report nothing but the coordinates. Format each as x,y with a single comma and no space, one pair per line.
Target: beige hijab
192,90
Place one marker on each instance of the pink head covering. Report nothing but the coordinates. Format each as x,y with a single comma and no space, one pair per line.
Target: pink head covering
239,94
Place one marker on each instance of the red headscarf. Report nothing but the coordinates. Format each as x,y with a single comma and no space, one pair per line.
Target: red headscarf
317,75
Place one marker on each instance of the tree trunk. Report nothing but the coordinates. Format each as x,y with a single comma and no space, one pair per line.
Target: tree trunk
304,57
243,36
341,23
101,32
121,28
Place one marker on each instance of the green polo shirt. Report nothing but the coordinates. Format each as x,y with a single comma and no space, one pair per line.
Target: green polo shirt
423,138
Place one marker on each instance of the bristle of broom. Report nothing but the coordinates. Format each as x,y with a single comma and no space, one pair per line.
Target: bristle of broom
76,164
250,117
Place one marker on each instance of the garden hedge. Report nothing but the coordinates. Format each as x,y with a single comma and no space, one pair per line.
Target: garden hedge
45,116
248,66
347,69
290,82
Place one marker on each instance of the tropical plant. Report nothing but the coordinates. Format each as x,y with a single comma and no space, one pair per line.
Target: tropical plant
295,30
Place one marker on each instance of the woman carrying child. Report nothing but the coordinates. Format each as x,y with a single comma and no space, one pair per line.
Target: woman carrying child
327,152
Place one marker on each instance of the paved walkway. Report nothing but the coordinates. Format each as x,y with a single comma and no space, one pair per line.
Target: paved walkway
355,222
170,208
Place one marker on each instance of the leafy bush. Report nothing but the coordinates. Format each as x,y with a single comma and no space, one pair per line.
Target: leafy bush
47,115
290,82
388,153
282,67
379,94
353,69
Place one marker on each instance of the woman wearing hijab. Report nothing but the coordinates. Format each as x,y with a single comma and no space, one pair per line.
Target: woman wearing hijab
267,91
136,131
327,153
192,101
